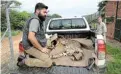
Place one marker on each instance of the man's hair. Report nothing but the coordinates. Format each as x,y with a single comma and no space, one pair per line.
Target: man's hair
40,6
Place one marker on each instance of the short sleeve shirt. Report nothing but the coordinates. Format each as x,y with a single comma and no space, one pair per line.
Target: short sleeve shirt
101,28
34,25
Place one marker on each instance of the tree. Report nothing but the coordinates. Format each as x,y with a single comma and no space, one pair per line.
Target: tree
101,8
55,16
4,3
17,19
3,14
101,5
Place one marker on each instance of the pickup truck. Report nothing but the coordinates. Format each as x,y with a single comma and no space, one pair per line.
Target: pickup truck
76,28
79,28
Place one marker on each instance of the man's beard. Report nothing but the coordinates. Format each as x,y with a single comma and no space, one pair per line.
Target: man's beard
42,18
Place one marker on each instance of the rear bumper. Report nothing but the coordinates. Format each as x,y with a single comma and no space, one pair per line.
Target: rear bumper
100,63
102,66
100,69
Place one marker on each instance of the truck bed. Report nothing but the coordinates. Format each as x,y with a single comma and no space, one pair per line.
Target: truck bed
60,68
87,52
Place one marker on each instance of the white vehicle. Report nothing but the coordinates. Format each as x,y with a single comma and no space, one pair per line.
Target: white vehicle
79,28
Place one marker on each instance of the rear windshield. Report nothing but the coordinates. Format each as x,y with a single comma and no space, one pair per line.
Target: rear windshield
77,23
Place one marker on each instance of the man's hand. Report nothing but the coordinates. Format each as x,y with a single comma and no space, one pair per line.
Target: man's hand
45,50
36,44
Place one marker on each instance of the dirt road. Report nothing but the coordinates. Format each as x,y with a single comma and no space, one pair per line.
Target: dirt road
5,52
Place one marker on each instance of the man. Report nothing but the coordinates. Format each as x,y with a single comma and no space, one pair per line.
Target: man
34,41
101,28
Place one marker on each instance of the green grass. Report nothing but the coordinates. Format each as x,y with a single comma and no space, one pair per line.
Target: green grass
13,33
114,66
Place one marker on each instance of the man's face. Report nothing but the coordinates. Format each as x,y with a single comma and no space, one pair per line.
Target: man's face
99,19
42,14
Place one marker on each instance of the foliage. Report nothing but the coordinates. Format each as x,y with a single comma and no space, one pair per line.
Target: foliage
109,19
55,16
114,66
13,2
14,15
101,5
94,25
17,3
17,19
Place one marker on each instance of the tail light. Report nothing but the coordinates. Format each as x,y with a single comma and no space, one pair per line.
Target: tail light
21,49
101,49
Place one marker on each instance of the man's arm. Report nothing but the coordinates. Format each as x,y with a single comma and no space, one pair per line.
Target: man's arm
33,28
104,29
33,40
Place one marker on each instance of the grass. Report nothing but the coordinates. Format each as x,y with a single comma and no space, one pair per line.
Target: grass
13,33
114,66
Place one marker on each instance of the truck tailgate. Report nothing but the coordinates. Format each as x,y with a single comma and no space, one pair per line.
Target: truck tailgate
55,70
